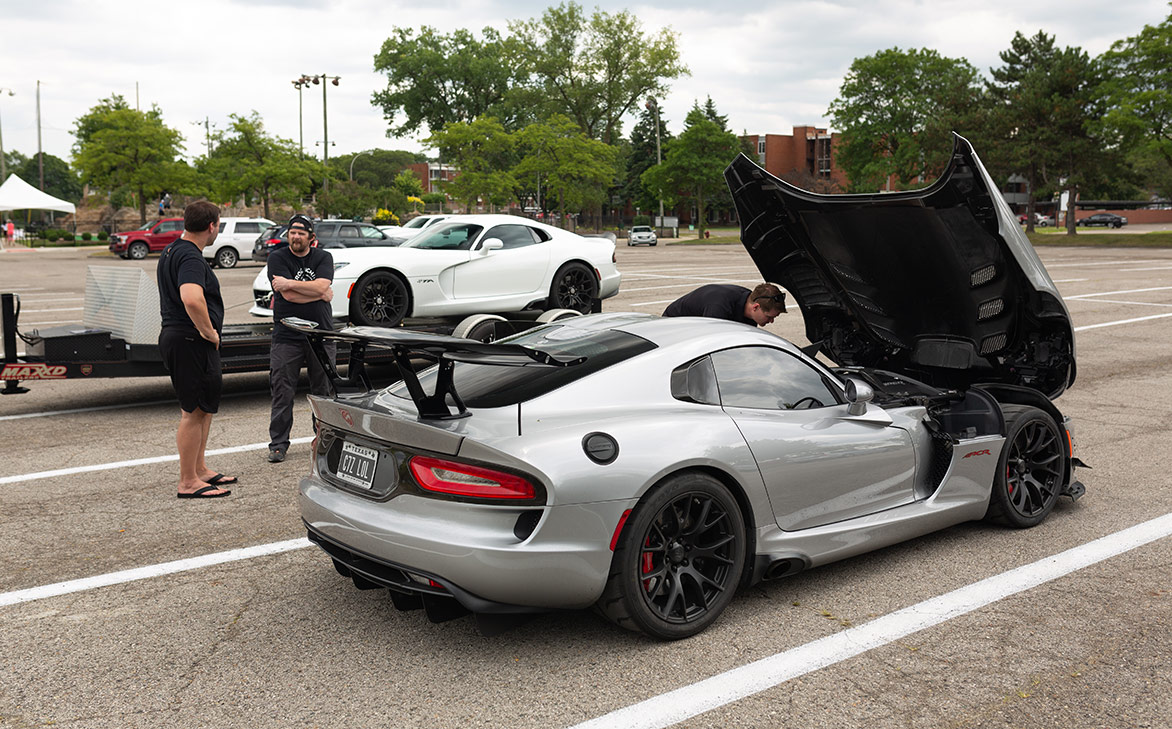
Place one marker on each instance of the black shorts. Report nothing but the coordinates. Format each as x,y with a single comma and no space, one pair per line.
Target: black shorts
194,365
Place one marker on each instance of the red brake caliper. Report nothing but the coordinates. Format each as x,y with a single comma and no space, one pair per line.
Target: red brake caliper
647,563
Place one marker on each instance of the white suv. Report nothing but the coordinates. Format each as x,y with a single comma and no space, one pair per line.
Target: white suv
236,235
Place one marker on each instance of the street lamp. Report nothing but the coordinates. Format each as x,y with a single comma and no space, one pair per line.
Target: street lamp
369,151
3,164
325,127
653,104
300,83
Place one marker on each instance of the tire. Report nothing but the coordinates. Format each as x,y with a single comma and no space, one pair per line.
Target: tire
481,327
556,315
671,578
227,257
574,287
1030,470
137,250
380,299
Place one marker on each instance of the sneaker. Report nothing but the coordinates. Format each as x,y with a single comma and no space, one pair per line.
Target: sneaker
276,455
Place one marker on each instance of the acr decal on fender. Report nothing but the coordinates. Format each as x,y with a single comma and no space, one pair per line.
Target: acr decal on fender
35,371
978,453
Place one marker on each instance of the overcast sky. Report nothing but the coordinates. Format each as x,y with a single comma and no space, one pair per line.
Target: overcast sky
768,66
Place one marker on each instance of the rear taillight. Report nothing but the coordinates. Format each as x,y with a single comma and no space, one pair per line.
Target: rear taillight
462,479
273,242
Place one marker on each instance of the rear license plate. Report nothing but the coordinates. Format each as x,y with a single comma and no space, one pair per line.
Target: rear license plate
356,465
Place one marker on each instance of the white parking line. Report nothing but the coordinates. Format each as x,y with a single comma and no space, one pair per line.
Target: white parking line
136,462
725,688
1070,280
1120,301
1123,321
42,311
1151,268
1112,293
1102,263
156,570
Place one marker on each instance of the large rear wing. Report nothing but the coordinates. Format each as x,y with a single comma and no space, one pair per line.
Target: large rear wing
406,345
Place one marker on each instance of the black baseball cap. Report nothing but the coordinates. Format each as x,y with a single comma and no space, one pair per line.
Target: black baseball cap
301,221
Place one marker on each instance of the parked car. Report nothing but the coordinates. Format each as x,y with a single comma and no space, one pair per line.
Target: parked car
641,234
236,236
1105,219
329,233
151,238
533,473
412,226
1040,220
467,265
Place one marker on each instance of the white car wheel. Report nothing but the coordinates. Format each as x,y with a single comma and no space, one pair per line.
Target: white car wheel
556,314
481,327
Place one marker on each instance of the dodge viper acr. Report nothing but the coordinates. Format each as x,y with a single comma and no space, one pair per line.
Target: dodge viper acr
468,264
650,467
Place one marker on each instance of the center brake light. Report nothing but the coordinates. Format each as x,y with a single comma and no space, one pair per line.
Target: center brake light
462,479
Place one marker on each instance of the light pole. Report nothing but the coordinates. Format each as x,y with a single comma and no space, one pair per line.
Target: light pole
3,164
325,124
300,83
207,129
369,151
653,104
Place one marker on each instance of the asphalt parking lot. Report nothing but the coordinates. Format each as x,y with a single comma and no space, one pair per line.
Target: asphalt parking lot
274,637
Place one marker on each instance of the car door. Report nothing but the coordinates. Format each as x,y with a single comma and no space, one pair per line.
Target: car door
164,233
519,267
820,464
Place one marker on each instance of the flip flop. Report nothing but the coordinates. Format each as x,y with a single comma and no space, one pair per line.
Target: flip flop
203,493
221,480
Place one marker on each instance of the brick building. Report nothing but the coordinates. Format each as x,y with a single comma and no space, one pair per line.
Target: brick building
804,158
430,173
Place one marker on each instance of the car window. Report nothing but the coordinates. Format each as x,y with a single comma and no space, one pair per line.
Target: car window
170,226
369,231
222,224
513,236
641,229
453,237
349,231
768,378
417,222
247,228
325,230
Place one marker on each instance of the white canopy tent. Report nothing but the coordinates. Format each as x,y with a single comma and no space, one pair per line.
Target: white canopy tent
16,194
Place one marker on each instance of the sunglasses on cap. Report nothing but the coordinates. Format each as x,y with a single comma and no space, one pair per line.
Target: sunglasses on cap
779,299
302,222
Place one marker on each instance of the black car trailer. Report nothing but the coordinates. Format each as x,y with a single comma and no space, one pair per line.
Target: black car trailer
80,352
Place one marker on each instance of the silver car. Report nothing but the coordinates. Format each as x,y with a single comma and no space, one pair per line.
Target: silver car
641,235
651,467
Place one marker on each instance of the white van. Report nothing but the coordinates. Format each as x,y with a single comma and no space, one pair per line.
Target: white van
237,236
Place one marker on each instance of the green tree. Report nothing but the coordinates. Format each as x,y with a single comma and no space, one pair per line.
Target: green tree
123,149
60,181
435,79
642,157
896,111
1045,106
408,184
246,160
694,164
596,70
484,152
569,167
1138,91
376,168
345,199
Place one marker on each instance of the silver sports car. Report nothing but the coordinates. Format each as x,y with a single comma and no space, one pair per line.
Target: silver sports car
650,467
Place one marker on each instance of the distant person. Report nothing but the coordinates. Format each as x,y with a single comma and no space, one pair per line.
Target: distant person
160,207
300,274
734,303
167,200
11,228
192,317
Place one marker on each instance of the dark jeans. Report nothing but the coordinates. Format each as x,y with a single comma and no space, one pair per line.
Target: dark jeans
285,362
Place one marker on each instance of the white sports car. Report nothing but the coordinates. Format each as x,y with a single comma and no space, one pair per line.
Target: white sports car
472,264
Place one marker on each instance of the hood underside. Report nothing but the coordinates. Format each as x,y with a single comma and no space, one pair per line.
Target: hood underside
938,283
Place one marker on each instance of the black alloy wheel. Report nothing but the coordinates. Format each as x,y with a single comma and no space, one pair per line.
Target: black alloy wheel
574,287
380,299
1030,470
679,560
137,251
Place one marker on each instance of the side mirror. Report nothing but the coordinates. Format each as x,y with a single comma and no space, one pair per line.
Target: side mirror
491,244
858,394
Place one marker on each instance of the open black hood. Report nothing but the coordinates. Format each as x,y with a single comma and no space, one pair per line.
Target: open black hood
938,283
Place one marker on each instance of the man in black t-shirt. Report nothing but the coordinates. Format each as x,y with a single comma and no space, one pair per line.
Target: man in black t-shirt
300,275
735,303
192,313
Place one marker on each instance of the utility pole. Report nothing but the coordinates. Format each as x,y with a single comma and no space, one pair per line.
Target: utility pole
40,154
321,79
658,156
3,164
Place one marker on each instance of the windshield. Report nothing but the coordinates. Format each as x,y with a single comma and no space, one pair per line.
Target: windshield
417,222
641,229
490,386
449,237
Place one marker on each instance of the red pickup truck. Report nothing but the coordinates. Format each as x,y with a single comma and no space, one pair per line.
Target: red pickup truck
152,238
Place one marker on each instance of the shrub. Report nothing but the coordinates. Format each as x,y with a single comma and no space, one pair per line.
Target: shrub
103,236
87,236
641,220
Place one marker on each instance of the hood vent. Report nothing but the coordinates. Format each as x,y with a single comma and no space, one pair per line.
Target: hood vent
982,275
990,309
994,343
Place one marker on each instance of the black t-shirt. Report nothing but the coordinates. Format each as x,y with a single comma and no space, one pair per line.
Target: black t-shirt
182,263
719,301
315,264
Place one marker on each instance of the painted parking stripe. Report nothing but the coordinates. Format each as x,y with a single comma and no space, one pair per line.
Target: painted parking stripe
1123,321
42,311
155,570
1081,264
720,690
1112,293
136,462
